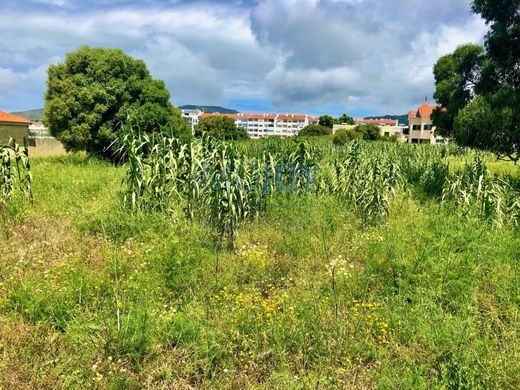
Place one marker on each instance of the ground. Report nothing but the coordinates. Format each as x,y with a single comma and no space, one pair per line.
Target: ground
93,296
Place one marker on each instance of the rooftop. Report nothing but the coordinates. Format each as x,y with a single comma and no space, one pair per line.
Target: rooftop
10,118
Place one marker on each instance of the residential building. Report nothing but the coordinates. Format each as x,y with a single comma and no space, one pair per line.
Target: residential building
191,117
12,126
378,122
38,129
266,125
421,128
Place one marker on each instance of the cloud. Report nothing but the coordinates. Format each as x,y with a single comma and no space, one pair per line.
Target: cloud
294,54
359,54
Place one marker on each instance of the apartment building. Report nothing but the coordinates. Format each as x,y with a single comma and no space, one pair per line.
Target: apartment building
266,125
421,128
191,117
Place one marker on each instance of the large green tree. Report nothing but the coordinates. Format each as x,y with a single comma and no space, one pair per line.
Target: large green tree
314,131
220,127
95,90
326,121
479,90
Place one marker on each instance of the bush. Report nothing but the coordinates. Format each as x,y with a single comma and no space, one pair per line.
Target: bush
314,131
220,127
343,136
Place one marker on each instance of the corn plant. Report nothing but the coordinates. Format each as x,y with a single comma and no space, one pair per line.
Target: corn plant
474,191
15,172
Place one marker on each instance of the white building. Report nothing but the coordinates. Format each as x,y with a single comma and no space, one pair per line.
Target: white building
38,129
191,117
266,125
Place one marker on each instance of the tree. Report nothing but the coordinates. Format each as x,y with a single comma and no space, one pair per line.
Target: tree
314,131
220,127
368,132
345,119
484,113
343,136
456,77
95,90
326,121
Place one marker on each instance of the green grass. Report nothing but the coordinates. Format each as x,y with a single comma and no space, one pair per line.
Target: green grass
93,296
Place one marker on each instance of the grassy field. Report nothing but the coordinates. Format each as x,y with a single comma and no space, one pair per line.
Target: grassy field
95,296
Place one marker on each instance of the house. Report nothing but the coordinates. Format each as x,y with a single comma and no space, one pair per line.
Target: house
266,125
12,126
421,128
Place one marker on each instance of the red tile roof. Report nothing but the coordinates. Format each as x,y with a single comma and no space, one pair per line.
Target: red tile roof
10,118
425,110
381,122
282,117
291,117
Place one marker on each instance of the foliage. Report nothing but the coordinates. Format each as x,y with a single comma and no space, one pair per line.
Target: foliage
345,119
326,121
493,77
220,127
15,172
314,131
360,132
456,78
342,136
329,121
116,299
90,94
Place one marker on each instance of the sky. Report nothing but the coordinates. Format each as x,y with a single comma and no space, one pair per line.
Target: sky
362,57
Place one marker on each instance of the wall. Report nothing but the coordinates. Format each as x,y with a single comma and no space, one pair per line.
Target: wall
45,146
11,130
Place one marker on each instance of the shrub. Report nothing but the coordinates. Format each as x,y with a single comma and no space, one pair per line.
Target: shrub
314,131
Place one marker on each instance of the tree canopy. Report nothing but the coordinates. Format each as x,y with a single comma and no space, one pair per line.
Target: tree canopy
314,131
220,127
329,121
368,132
94,91
479,88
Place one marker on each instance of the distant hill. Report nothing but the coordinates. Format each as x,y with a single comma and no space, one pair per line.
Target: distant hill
401,118
32,115
209,109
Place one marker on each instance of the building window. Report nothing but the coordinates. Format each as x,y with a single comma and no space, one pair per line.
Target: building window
416,127
415,140
428,127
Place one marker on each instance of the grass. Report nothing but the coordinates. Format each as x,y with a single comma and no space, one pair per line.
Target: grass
93,296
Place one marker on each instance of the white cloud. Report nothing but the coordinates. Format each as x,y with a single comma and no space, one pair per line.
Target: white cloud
297,54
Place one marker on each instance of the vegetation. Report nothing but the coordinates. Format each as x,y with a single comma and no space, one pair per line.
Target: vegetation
15,173
220,127
368,265
479,89
314,131
94,91
328,121
360,132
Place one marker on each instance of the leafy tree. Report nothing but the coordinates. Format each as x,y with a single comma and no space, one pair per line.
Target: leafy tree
314,131
345,119
220,127
326,121
456,78
368,132
96,89
483,107
343,136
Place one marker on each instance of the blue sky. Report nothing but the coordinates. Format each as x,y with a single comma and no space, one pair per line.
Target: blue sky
363,57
